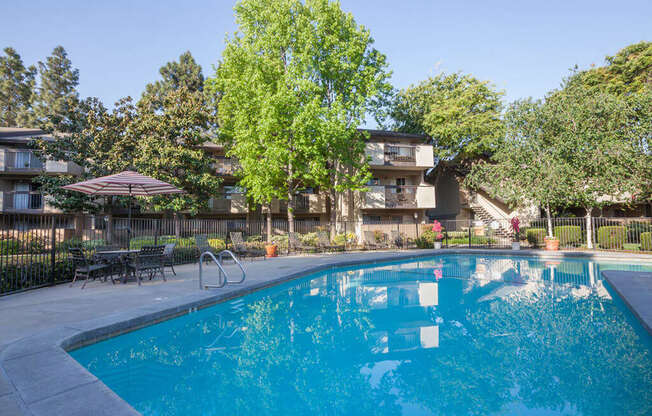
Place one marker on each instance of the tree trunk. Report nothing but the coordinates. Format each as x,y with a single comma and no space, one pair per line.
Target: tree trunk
290,212
549,218
589,232
269,223
332,197
177,225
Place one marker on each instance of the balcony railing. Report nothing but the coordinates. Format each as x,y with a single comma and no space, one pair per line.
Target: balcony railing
228,203
22,161
400,197
22,201
226,166
400,155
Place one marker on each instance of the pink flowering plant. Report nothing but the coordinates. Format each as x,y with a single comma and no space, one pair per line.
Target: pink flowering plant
516,227
437,229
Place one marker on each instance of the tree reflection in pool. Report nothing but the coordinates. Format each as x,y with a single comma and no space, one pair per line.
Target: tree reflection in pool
493,335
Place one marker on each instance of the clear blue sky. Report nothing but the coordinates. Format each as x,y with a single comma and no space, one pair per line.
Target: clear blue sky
523,47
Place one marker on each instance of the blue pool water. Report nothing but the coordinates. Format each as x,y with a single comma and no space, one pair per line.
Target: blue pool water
451,335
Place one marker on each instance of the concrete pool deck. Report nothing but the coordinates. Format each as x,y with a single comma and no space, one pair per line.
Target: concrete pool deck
37,376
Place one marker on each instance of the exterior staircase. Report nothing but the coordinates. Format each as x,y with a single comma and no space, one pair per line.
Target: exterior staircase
504,229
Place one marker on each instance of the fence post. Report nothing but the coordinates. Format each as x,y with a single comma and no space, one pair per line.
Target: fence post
156,231
53,249
346,239
470,223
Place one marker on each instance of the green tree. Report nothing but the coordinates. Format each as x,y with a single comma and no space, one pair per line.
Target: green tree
169,147
105,145
57,101
184,73
16,89
597,139
627,72
293,86
460,113
527,168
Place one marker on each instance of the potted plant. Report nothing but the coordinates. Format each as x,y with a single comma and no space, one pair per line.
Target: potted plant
516,228
552,243
271,249
436,228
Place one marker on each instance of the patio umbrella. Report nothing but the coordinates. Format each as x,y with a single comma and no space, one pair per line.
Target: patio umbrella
127,183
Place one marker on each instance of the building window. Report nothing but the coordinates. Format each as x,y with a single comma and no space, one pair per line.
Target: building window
399,182
371,219
373,182
26,160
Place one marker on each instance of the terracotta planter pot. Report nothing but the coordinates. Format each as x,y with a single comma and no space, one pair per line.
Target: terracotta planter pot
552,244
272,250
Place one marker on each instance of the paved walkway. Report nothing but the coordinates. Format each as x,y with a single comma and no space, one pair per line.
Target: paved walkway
37,377
635,288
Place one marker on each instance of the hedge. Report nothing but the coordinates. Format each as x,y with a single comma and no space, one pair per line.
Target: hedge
535,236
568,234
612,237
646,241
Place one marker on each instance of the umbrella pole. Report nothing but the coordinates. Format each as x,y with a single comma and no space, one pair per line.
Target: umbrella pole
129,226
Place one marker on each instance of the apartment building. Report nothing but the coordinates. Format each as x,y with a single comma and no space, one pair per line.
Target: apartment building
397,192
19,166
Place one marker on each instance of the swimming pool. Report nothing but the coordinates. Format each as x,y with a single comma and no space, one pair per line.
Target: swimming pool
453,334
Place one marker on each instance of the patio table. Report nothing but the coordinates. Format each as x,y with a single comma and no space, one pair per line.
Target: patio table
122,256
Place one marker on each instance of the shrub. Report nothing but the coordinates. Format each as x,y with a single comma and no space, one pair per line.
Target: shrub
9,246
217,244
341,239
568,234
636,228
646,241
427,238
613,237
476,240
535,236
281,241
309,239
457,234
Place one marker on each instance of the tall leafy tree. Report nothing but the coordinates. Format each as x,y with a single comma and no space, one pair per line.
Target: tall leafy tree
105,145
627,72
595,136
16,89
169,147
57,100
460,113
527,168
293,86
185,72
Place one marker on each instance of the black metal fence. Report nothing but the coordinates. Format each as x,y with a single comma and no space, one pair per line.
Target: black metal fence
34,247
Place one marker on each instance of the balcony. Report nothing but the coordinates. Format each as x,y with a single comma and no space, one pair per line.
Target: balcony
21,201
309,204
232,203
399,197
396,156
26,162
225,166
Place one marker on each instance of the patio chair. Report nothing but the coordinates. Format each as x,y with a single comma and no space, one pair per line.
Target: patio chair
149,260
295,244
370,241
84,268
396,240
324,241
168,257
241,249
202,244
